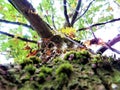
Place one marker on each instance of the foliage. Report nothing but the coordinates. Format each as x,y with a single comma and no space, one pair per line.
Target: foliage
56,19
56,62
15,48
13,14
118,1
69,31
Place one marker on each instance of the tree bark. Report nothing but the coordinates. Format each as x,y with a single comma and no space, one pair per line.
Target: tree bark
41,27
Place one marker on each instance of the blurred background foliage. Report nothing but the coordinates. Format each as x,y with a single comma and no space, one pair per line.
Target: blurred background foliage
52,12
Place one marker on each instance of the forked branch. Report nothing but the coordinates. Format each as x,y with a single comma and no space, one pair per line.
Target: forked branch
110,43
76,12
85,10
65,12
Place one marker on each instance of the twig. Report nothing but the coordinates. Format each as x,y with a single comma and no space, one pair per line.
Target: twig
114,50
53,21
65,12
76,12
76,43
16,23
69,6
99,24
46,18
79,44
85,10
95,38
44,15
117,3
23,39
93,33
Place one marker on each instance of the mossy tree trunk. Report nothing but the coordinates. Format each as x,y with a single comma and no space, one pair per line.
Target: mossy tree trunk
84,71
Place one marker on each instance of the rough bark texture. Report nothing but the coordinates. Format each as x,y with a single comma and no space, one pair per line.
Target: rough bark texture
24,7
77,71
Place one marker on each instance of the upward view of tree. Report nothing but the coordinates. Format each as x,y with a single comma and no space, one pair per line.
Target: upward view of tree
51,43
52,24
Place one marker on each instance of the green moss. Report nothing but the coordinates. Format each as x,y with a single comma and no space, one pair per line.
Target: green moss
59,60
25,77
68,54
101,59
79,57
26,62
61,80
63,73
65,68
97,58
73,83
41,77
27,86
83,54
30,68
35,59
46,70
116,76
60,74
47,86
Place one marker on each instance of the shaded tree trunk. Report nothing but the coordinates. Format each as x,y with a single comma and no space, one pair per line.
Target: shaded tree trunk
25,8
41,27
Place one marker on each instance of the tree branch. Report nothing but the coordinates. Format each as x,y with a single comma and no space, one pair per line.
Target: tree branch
99,24
53,22
85,10
52,14
80,45
35,20
117,3
76,12
16,23
45,17
23,39
110,43
65,12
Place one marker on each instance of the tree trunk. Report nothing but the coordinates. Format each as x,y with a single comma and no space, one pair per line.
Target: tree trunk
24,7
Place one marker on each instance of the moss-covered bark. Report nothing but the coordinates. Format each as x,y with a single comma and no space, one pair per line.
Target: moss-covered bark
76,71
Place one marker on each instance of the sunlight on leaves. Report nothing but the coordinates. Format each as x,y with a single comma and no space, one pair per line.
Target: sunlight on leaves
70,31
